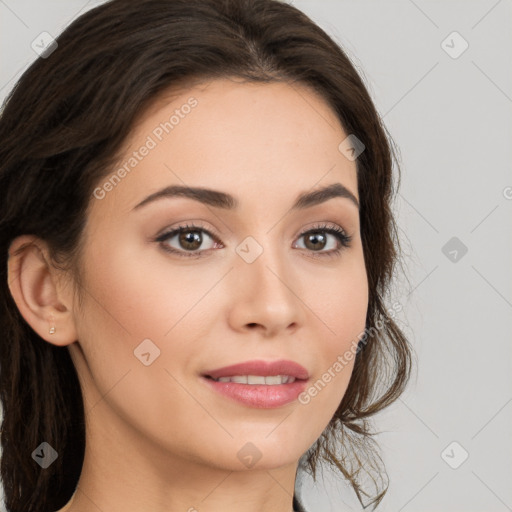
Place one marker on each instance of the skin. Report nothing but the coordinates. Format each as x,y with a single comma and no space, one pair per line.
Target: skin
158,439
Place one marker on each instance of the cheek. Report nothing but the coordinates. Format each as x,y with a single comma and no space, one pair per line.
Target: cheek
341,305
124,305
133,297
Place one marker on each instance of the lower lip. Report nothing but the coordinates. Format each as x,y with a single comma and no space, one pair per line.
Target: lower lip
262,396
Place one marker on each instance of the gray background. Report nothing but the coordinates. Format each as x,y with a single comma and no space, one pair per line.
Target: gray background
451,118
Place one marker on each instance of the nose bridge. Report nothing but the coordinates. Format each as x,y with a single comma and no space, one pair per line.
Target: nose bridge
265,277
264,257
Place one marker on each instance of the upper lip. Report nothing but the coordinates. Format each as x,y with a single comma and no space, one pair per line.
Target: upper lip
263,368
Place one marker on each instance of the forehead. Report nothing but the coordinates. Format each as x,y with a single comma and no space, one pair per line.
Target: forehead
275,138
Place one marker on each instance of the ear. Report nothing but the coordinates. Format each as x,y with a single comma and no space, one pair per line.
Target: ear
39,291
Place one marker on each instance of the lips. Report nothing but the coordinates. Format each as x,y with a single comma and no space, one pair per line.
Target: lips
272,380
260,368
259,384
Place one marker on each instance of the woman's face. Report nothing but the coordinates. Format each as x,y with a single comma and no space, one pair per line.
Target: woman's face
161,312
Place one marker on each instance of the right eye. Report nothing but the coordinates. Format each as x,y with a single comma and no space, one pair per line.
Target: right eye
189,237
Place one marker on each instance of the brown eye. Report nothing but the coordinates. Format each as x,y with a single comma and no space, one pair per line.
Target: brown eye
189,241
315,240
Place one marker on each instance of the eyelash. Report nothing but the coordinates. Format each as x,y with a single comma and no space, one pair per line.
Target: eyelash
344,240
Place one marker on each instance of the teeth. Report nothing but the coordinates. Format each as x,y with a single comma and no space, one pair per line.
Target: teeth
271,380
240,379
274,379
253,379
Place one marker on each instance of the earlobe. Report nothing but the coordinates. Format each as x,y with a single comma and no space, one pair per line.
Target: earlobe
38,293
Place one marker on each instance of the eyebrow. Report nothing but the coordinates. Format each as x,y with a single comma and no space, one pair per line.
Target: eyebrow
226,201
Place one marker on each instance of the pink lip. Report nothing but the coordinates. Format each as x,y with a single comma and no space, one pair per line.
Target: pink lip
259,395
265,368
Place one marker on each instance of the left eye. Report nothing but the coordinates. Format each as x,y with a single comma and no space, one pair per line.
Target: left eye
190,238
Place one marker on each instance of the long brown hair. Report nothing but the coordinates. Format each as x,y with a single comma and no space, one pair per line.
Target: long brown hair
61,129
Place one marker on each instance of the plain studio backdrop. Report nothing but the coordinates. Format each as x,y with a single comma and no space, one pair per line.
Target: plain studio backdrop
440,74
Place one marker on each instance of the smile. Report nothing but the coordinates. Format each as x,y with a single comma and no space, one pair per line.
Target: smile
271,380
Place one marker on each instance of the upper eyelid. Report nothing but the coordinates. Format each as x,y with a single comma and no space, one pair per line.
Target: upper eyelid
185,226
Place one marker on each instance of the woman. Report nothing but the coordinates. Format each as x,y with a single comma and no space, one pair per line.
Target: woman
197,243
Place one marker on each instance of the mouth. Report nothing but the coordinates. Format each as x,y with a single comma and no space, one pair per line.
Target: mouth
268,380
259,384
252,372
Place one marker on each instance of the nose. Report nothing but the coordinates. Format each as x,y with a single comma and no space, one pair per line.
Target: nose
265,296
